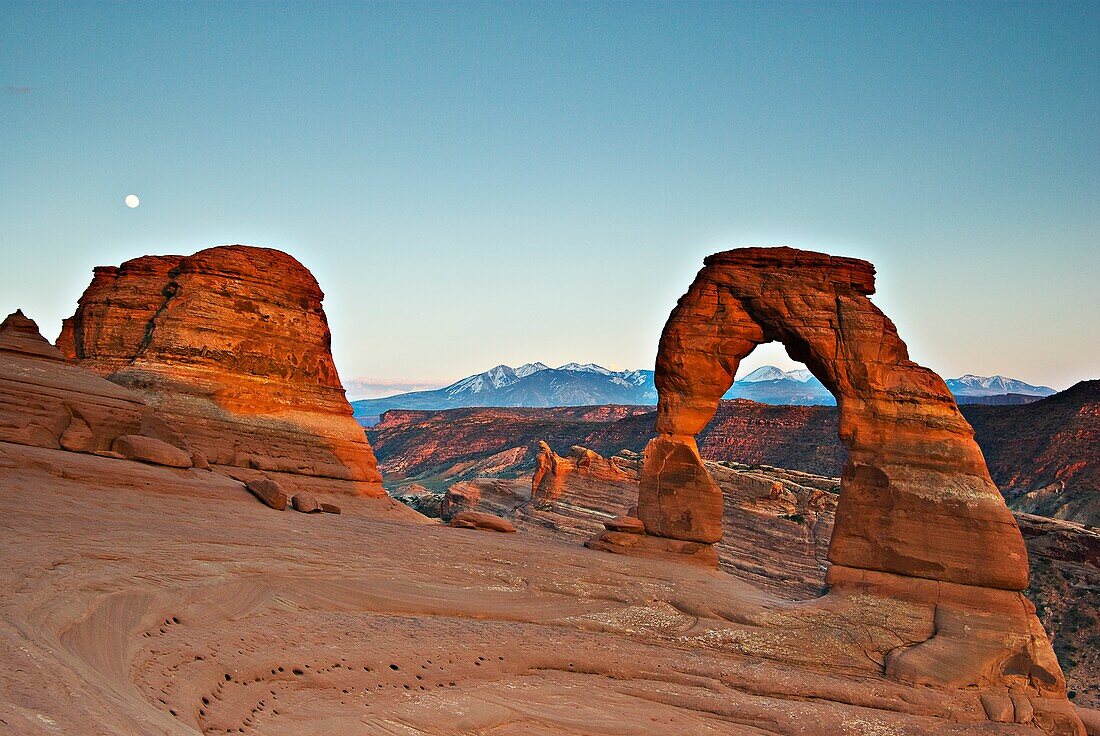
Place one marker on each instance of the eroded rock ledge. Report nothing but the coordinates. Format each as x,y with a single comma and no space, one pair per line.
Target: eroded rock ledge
46,402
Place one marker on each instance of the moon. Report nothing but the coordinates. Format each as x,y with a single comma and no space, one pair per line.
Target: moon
131,201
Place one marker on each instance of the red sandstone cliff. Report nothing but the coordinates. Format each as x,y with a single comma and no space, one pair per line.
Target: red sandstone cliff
231,344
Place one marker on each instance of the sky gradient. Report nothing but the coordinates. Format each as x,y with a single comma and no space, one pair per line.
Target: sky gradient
484,184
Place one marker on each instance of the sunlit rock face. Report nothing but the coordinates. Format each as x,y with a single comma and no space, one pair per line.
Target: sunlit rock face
232,345
917,498
921,532
552,472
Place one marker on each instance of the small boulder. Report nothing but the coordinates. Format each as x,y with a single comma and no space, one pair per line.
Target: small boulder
627,524
306,503
479,520
268,491
1023,711
330,508
200,461
998,707
151,450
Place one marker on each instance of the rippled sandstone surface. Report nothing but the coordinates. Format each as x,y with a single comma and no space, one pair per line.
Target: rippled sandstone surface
144,600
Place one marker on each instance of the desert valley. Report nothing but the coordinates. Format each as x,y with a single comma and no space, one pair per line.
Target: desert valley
199,537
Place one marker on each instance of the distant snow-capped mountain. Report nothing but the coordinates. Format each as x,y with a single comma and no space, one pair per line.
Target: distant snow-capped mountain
771,373
531,384
971,385
528,368
586,368
583,384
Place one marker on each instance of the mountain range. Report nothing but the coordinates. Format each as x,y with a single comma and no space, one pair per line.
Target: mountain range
970,385
586,384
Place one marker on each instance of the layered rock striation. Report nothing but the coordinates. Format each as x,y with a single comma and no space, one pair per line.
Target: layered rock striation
552,471
47,402
232,346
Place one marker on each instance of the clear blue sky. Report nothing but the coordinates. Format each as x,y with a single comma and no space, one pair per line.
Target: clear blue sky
483,184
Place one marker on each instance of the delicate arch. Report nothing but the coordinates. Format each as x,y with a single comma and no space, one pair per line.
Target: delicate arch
916,497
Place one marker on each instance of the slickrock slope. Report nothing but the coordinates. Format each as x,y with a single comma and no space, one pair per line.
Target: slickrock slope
1045,456
46,402
919,527
778,523
147,607
231,345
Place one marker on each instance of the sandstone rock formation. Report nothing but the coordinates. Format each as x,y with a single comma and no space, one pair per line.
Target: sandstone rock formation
623,523
306,503
919,524
269,491
1041,455
46,402
472,435
483,521
459,497
918,500
135,603
151,450
232,346
551,470
778,523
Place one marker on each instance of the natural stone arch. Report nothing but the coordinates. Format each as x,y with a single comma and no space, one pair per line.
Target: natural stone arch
916,497
927,561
